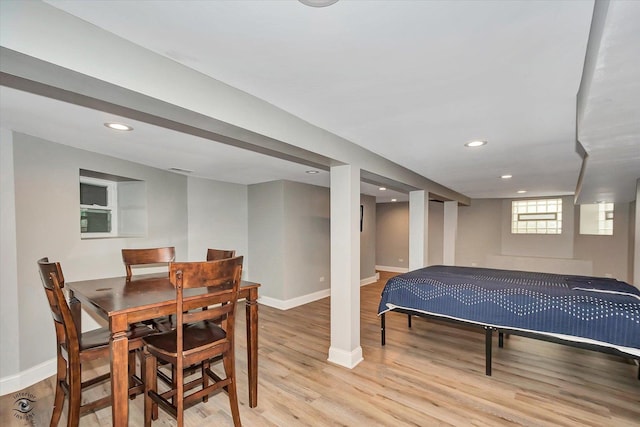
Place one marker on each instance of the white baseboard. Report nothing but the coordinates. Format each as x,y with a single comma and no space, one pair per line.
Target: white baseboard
392,269
348,359
294,302
305,299
17,382
370,280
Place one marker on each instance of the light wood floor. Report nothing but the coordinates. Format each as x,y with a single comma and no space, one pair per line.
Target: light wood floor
430,375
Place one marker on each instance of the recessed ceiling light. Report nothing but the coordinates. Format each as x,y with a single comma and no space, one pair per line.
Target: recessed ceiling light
521,191
312,172
318,3
118,126
394,200
506,176
477,143
382,188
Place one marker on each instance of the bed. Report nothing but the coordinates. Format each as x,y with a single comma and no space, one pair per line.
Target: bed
601,314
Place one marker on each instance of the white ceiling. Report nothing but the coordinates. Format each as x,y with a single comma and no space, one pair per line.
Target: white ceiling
409,80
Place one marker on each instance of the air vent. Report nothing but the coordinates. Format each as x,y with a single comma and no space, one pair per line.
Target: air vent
180,170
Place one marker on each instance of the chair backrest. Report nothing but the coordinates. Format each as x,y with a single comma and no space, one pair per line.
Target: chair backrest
53,282
222,280
133,257
218,254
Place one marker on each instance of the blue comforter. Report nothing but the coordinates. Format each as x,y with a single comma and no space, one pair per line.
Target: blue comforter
591,308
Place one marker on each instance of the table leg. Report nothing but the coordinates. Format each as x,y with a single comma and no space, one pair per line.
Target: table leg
251,308
75,306
119,370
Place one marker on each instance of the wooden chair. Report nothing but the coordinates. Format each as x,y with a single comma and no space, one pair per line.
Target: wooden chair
149,256
196,340
218,254
74,348
137,257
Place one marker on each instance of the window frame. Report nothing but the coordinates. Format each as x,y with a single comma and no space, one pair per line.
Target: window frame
525,211
112,206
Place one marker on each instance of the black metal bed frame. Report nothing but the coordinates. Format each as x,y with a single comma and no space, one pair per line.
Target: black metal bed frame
488,331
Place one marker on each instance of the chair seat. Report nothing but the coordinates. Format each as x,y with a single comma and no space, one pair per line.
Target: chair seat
195,335
100,337
95,338
163,324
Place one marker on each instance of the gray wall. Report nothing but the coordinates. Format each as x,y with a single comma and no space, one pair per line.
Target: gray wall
218,216
436,233
392,234
608,253
635,238
289,239
47,224
307,243
368,238
537,245
9,333
479,231
266,237
484,239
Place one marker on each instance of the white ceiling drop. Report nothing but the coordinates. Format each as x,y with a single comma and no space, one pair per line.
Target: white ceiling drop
409,80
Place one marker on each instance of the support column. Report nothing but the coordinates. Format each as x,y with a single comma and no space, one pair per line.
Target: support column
345,347
418,229
636,244
450,233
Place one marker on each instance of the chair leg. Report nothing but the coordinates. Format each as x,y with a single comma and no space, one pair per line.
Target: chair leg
132,371
179,396
174,383
75,395
150,384
58,400
143,371
205,378
230,371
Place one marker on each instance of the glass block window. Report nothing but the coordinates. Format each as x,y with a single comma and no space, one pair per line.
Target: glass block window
596,219
536,216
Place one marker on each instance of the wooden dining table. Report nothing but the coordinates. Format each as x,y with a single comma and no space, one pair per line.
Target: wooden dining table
124,302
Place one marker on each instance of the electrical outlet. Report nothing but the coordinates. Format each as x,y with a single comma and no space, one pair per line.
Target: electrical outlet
322,278
400,260
474,264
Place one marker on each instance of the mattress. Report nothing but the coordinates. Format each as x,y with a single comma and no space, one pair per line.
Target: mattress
601,311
